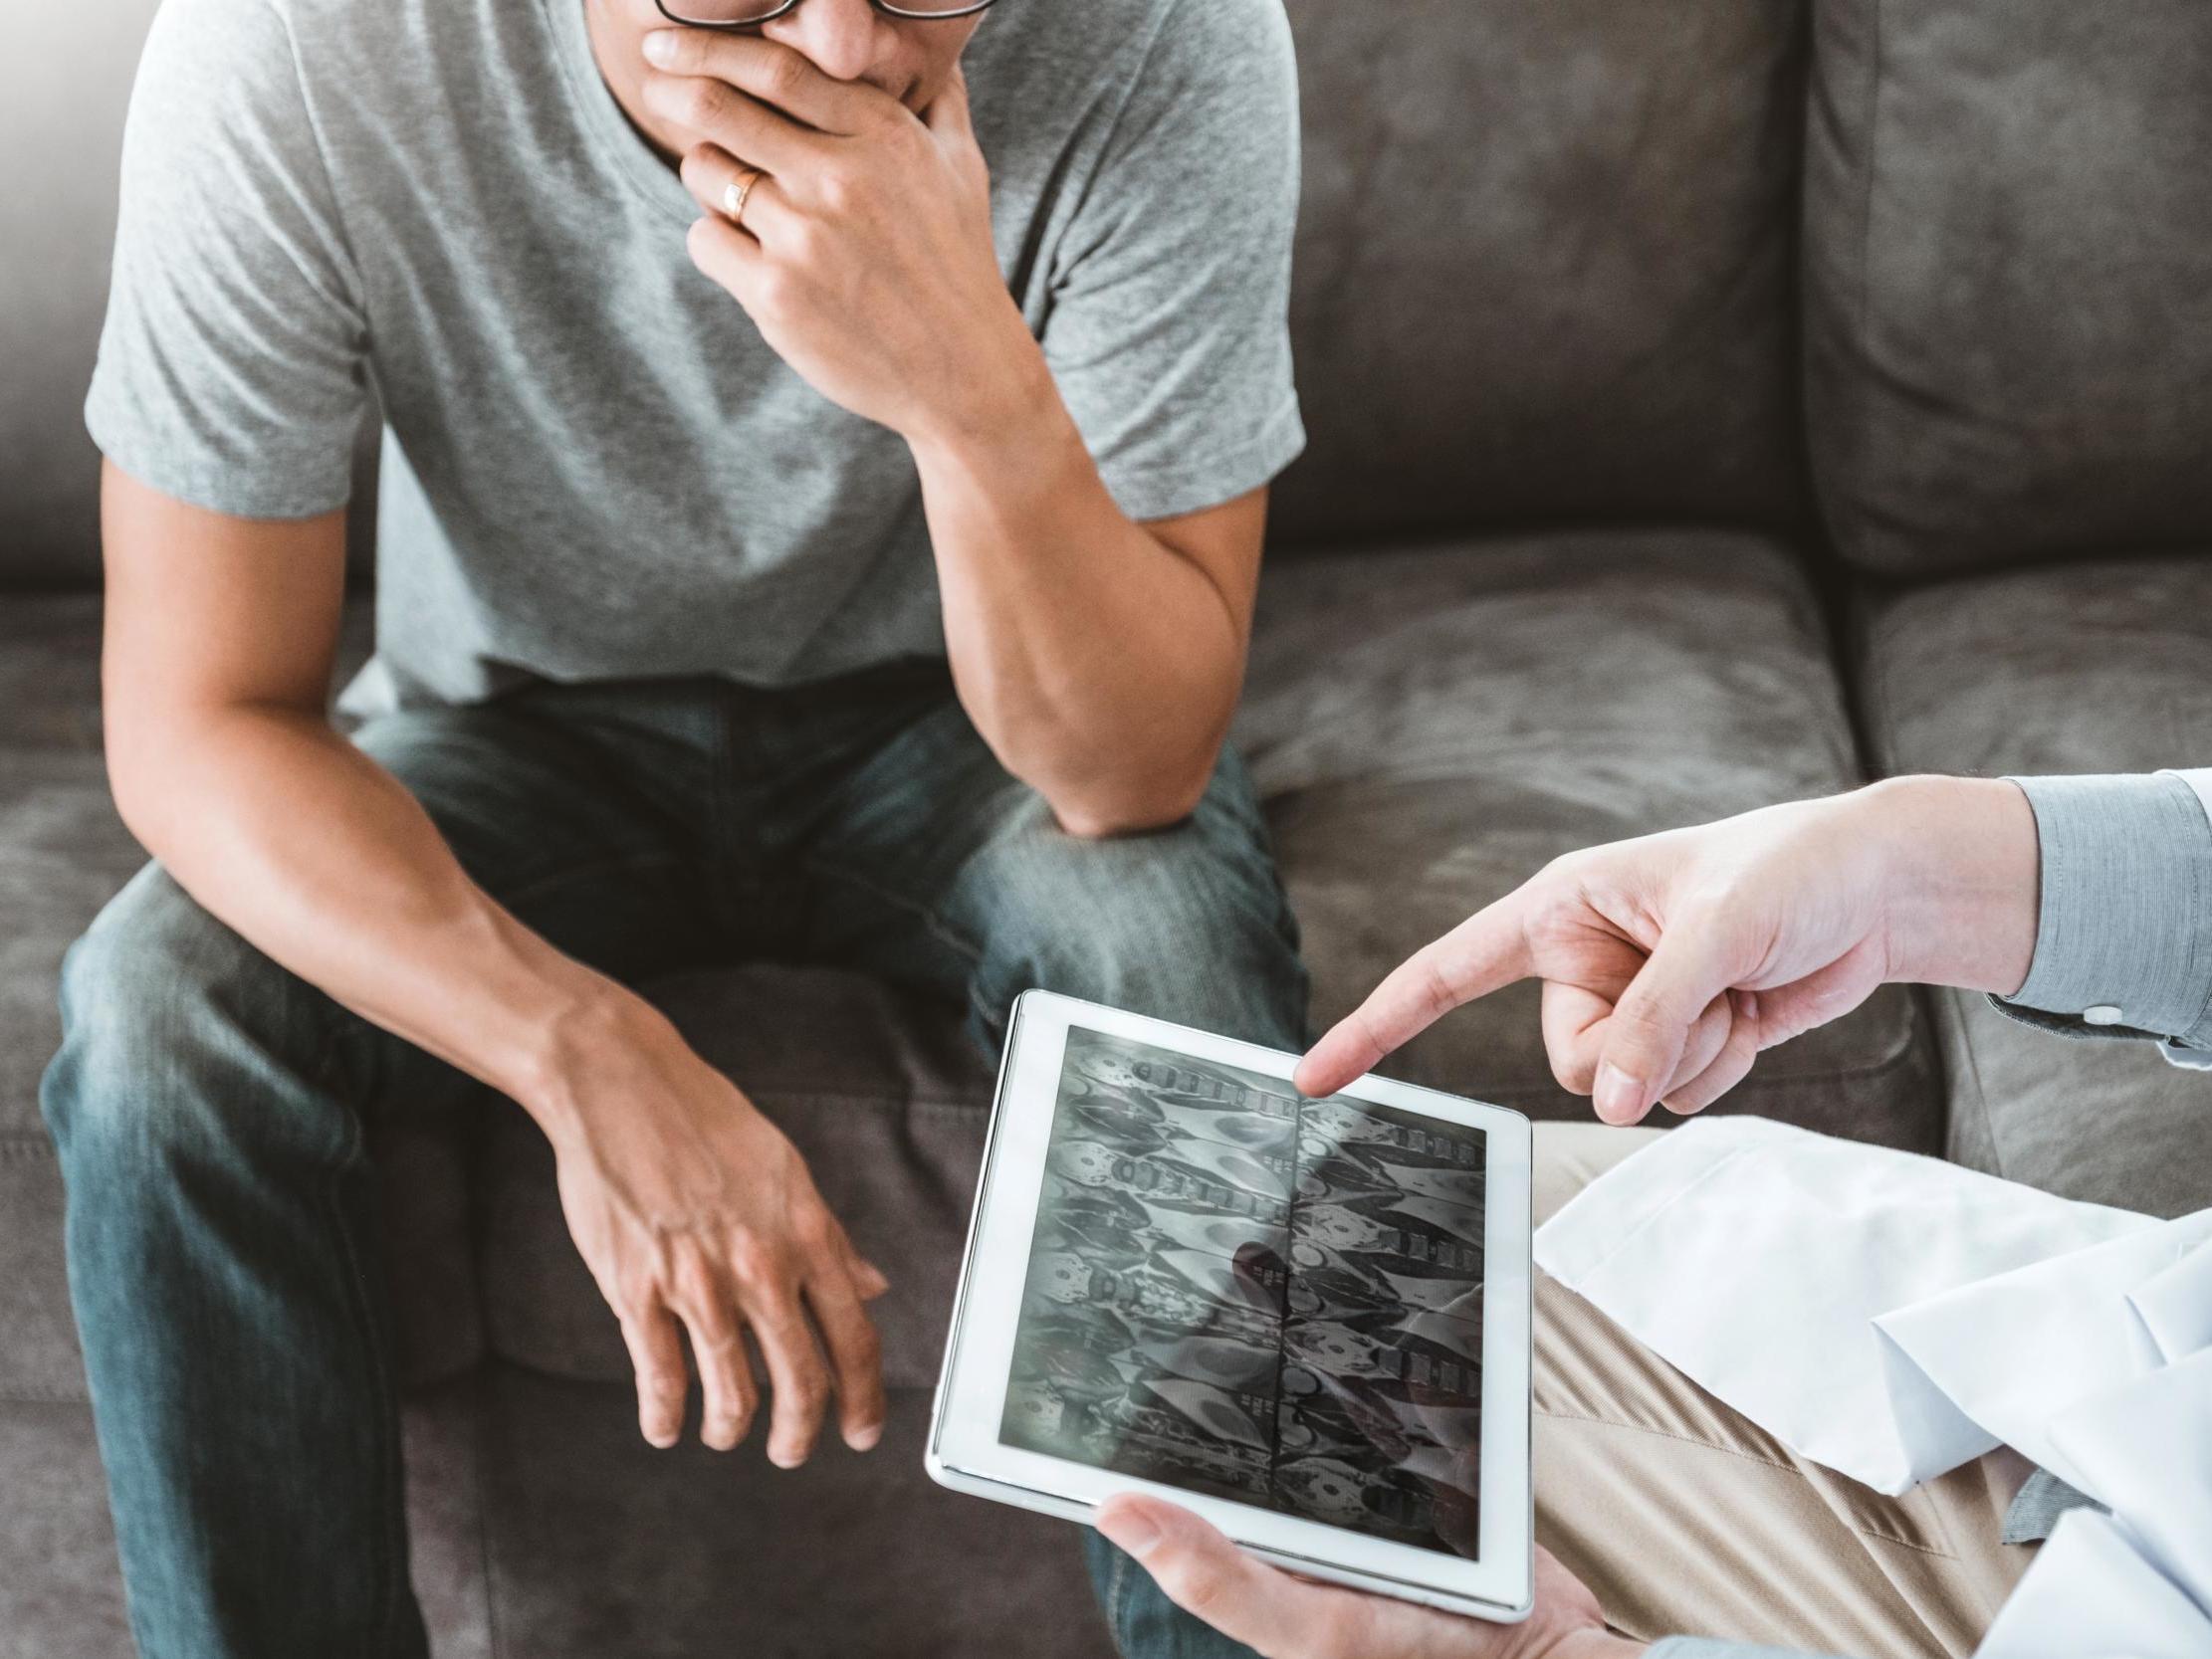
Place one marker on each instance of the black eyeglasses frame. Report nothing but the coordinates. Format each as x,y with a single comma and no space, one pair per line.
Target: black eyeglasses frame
887,7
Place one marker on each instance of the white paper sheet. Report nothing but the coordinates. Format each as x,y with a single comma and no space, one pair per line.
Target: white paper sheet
2145,1448
2092,1595
1755,1257
2014,1350
1892,1317
2176,1305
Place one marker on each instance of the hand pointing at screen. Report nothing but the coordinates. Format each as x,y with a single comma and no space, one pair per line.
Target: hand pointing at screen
1667,964
1669,961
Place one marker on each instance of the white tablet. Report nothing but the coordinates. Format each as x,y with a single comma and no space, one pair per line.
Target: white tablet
1305,1320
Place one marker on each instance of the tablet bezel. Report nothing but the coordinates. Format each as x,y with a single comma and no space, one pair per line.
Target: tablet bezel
966,1453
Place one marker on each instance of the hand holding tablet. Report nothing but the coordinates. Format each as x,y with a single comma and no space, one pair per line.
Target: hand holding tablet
1304,1320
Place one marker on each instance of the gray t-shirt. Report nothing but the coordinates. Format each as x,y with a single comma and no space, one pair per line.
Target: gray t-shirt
594,467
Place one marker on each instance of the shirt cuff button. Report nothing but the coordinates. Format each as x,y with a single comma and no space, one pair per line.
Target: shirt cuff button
2102,1014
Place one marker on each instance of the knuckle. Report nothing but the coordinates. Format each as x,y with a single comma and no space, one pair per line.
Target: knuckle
785,75
694,1280
1576,1073
1433,986
746,1255
775,292
1556,906
699,241
698,102
1206,1589
1643,1017
814,1229
715,1336
752,1261
803,243
634,1290
836,190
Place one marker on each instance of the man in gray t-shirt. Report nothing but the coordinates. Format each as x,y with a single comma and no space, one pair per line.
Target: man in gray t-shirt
824,467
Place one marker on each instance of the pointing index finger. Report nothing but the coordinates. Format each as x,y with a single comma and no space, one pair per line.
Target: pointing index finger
1487,950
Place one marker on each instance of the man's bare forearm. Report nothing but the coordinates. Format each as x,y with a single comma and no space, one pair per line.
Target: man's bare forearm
1099,659
1100,664
318,857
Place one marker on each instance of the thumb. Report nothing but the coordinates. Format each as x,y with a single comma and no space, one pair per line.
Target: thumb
1642,1040
1206,1576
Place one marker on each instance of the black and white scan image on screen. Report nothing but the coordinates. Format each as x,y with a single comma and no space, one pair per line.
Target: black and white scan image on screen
1243,1293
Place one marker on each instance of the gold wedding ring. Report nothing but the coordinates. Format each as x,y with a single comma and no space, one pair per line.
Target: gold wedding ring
739,193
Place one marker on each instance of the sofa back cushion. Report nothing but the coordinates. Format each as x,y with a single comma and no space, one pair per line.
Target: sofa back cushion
1545,266
2009,279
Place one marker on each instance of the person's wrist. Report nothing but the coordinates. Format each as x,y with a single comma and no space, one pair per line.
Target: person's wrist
1959,871
587,1028
1003,393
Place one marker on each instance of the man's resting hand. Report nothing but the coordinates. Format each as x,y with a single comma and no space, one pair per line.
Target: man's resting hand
692,1209
1669,961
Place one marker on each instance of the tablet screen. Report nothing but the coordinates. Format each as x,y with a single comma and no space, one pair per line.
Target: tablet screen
1241,1292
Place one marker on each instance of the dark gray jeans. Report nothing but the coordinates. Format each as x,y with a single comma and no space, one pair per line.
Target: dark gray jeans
209,1106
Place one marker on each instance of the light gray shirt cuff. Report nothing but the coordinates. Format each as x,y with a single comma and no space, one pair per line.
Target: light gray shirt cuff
2124,932
1706,1647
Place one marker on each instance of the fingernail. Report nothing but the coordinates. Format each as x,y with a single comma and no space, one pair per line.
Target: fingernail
784,1460
1619,1097
1134,1532
864,1439
660,46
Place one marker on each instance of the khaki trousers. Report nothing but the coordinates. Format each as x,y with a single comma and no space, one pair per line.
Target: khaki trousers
1686,1519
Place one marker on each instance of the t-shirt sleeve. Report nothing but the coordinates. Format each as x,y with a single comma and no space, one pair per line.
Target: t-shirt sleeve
1169,333
232,364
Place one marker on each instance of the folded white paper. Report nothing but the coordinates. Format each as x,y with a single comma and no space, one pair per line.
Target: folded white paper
2013,1351
2092,1595
2145,1448
2175,1306
1892,1317
1756,1257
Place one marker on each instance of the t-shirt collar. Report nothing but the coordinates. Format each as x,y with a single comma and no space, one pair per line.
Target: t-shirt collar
625,148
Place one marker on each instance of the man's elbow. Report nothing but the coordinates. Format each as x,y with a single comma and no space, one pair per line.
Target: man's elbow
1126,808
142,779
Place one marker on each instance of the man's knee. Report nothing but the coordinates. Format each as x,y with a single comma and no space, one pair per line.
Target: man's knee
169,1019
1187,923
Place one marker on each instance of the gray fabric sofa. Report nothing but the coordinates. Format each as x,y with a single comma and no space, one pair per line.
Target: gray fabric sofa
1712,403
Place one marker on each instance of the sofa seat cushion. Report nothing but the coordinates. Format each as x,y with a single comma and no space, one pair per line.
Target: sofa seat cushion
2078,667
1432,725
597,1545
